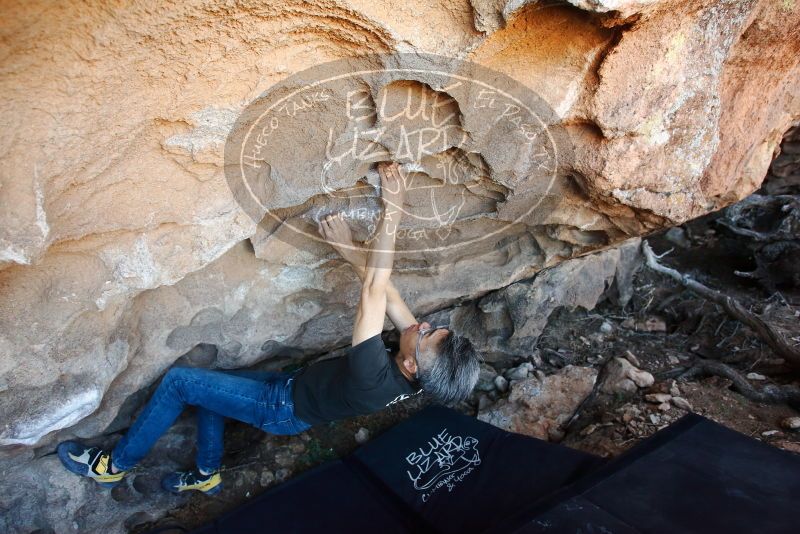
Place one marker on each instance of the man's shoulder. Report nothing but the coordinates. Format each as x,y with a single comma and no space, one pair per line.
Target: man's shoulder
370,344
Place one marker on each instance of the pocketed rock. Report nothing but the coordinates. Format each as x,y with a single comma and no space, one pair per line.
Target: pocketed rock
538,407
623,377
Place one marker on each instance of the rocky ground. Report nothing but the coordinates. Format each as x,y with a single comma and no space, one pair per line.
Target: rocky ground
637,353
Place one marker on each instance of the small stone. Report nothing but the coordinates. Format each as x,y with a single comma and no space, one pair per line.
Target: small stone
673,389
677,236
791,423
584,341
517,373
297,447
682,403
628,323
528,366
501,383
755,376
642,379
788,445
661,387
664,406
655,418
627,417
652,324
673,359
484,402
282,474
623,377
631,357
769,433
362,436
267,478
536,358
284,458
486,378
555,434
589,429
540,374
658,398
606,327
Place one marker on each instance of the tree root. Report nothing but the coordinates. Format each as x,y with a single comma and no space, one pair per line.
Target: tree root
770,393
731,306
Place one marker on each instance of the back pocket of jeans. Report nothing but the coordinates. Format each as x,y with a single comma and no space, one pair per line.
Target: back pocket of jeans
277,420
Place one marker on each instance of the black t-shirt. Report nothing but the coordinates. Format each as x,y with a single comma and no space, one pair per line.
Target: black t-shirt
365,380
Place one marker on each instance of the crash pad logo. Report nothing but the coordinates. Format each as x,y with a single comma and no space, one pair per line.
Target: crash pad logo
467,139
443,462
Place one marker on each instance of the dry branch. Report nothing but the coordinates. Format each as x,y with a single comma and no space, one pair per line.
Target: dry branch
768,394
731,306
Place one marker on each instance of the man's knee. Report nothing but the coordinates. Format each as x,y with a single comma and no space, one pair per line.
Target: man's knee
178,376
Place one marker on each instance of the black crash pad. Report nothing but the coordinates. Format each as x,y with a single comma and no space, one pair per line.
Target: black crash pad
695,476
438,471
443,472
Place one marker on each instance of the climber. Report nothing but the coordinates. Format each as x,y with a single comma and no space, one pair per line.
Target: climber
434,360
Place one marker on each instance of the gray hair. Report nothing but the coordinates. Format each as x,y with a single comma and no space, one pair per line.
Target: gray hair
452,373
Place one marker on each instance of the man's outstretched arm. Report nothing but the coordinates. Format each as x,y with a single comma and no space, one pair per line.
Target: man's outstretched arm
373,304
337,234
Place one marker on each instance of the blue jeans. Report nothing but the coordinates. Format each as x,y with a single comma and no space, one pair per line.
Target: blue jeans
260,398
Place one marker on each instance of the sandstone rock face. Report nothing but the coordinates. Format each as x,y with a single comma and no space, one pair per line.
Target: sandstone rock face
507,323
122,246
537,407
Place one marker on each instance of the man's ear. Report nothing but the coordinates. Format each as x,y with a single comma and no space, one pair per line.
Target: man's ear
410,364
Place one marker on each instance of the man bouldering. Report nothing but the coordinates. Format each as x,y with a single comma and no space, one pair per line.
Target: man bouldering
428,359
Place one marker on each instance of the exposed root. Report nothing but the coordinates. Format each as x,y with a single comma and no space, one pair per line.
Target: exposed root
731,306
770,393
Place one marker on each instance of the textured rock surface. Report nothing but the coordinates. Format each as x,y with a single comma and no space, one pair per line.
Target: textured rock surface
507,323
39,493
122,248
538,407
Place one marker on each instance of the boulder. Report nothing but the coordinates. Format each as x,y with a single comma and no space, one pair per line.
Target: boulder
538,407
124,246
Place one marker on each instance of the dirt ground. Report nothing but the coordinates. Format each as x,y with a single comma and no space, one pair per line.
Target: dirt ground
663,329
